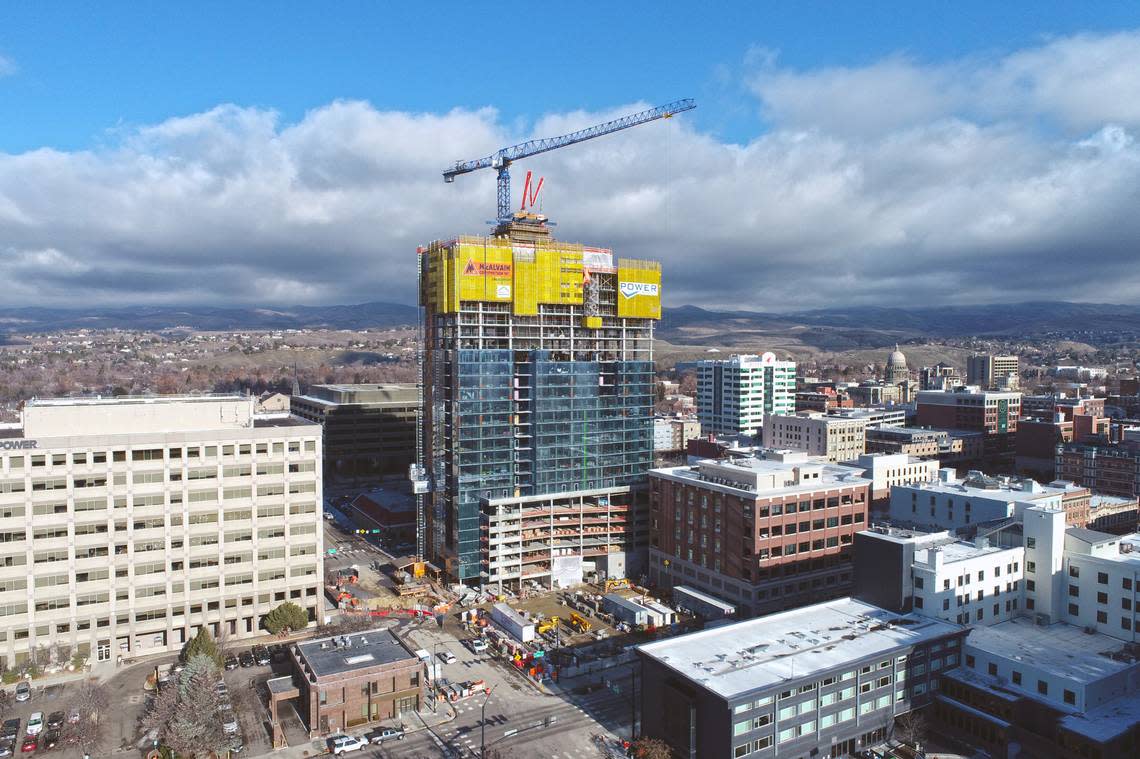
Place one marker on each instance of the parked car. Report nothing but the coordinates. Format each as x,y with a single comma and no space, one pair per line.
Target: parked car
11,729
479,645
342,744
446,657
229,720
7,747
50,739
73,715
222,689
23,691
261,655
386,734
30,744
35,723
55,720
231,662
245,658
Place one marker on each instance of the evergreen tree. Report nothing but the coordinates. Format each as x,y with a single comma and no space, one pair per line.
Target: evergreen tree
202,644
287,616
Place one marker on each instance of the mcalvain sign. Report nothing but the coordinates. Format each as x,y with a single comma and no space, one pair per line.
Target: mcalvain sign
633,289
18,445
483,269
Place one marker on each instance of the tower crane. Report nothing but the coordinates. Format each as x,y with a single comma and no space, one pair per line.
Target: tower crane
502,159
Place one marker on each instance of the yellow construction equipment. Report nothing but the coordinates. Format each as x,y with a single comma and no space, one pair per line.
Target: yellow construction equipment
615,584
579,623
547,625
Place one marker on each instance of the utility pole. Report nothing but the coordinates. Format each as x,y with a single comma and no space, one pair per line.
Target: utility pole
483,722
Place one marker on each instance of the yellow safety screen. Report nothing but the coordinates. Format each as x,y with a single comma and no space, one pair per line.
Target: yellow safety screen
639,289
495,270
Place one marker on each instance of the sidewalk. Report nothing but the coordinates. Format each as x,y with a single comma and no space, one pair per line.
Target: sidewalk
414,723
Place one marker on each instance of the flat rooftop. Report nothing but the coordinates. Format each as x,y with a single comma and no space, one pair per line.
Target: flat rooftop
763,477
958,550
739,658
983,486
1060,649
346,653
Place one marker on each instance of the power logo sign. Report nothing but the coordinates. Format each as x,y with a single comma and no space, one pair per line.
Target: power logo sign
482,269
18,445
634,289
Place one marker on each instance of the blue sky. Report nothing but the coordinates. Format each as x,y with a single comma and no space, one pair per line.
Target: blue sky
85,68
841,153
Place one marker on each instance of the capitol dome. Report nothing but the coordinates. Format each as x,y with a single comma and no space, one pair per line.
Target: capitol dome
896,358
896,367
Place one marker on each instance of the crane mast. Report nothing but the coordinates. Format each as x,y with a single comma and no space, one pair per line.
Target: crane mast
502,159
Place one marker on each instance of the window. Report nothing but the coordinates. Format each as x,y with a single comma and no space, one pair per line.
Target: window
1074,570
1074,610
1016,677
1043,687
1102,579
1102,598
1031,542
918,583
1031,566
1074,591
1030,585
1102,617
970,661
1070,697
992,669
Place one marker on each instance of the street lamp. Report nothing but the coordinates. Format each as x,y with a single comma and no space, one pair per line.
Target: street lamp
483,722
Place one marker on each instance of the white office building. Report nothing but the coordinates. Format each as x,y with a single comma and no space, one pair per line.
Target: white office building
951,503
735,396
126,524
835,437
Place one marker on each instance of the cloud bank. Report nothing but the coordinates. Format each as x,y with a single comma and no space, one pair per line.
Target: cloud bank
1013,177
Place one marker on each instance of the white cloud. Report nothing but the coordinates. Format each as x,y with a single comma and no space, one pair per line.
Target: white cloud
8,66
896,183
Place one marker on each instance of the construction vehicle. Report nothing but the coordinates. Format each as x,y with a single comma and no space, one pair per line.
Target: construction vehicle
546,625
345,600
502,159
616,584
579,623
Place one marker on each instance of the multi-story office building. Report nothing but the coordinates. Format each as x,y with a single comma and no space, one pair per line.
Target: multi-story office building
822,681
839,438
948,447
128,523
939,377
952,503
763,534
369,430
538,380
736,395
1109,469
994,414
674,433
992,372
887,470
977,582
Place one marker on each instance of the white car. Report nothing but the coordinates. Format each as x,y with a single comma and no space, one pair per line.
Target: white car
446,657
35,723
23,691
342,744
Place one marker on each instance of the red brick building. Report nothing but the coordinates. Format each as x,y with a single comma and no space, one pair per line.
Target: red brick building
763,535
993,413
345,681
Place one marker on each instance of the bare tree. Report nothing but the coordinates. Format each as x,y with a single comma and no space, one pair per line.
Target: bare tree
346,624
5,702
910,728
92,701
651,748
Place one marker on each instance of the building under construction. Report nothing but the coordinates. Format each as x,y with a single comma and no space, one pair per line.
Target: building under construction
538,394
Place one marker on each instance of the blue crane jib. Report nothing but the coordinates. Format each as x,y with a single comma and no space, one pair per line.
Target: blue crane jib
502,159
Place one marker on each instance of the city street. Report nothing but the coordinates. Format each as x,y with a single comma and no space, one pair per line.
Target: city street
551,722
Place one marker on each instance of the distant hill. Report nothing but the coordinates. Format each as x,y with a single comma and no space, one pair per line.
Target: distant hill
865,326
828,329
364,315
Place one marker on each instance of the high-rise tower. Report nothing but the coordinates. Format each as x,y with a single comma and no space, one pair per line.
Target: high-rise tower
538,404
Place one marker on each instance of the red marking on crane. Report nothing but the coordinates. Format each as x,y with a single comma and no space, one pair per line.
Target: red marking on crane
529,197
